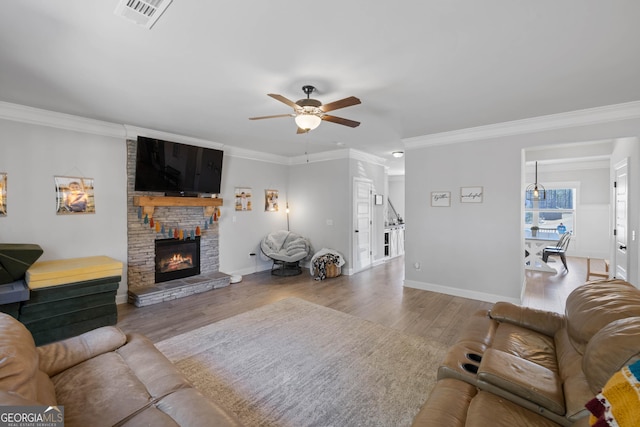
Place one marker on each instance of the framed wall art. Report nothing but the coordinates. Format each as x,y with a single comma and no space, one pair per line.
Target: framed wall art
271,200
3,194
74,195
243,198
471,194
441,198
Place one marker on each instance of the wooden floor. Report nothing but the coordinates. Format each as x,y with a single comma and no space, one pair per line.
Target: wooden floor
549,291
376,294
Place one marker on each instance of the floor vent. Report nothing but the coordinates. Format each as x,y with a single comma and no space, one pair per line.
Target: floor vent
144,13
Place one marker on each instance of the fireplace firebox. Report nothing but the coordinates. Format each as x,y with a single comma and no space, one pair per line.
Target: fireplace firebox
176,259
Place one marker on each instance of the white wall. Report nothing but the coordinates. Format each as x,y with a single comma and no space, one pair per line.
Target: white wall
473,250
240,232
320,199
321,193
467,249
32,155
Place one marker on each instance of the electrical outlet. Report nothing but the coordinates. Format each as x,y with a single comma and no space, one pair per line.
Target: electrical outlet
416,265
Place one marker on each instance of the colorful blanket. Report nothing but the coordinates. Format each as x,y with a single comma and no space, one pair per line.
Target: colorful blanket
618,404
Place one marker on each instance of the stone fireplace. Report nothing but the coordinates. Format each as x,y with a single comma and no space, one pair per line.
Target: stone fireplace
143,231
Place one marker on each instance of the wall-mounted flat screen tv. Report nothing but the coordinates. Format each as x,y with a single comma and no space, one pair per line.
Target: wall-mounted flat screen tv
177,169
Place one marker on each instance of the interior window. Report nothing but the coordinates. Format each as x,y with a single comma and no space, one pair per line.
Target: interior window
556,213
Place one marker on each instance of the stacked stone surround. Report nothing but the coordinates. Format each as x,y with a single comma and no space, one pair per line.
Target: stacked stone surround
141,247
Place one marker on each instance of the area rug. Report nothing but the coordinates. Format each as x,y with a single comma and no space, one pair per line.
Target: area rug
294,363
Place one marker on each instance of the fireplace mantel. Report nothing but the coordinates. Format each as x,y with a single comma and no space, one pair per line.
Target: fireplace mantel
149,203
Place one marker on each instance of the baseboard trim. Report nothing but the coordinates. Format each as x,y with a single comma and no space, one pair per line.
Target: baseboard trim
121,299
250,270
457,292
379,262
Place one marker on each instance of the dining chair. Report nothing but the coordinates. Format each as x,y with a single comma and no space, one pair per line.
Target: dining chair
560,249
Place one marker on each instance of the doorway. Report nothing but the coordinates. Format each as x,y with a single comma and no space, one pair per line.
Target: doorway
577,179
362,217
621,260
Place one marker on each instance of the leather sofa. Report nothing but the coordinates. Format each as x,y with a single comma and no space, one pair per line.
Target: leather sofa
102,378
518,366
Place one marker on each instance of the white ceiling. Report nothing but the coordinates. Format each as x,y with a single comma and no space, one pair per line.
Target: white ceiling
419,67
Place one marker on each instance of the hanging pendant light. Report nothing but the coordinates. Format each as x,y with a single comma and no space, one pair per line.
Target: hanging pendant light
536,191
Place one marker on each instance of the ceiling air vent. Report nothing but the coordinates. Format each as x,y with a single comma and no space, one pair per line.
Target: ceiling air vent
144,13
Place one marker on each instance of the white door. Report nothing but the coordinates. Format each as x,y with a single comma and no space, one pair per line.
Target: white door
621,193
362,194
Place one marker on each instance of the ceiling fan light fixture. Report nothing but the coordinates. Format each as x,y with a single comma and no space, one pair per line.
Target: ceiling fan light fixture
307,121
309,112
398,154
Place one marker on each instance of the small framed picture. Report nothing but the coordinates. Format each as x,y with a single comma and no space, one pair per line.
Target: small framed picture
74,195
3,194
243,199
377,199
471,194
271,200
441,198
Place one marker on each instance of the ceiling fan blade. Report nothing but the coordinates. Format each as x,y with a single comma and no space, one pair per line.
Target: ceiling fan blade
300,130
341,121
281,98
342,103
271,117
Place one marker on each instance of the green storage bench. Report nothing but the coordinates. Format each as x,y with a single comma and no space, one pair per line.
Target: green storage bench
70,297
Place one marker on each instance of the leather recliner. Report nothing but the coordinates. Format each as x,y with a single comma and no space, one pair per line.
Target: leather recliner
102,378
516,365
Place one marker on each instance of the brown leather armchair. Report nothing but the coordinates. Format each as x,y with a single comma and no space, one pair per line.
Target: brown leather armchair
520,366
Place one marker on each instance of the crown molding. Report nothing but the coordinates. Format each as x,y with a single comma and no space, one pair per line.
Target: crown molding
345,153
135,131
37,116
324,156
366,157
255,155
40,117
590,116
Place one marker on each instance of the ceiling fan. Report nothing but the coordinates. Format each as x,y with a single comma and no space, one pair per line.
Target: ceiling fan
309,112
